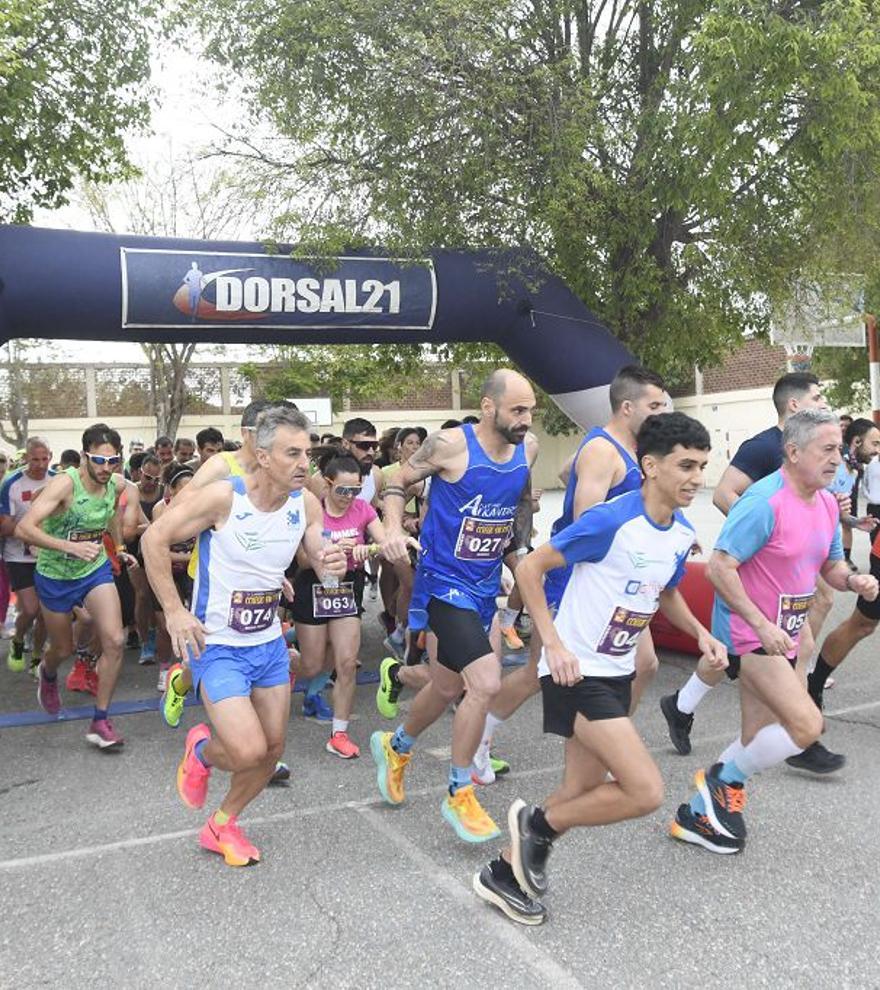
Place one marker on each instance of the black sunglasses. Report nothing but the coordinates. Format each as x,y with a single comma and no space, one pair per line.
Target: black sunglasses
365,444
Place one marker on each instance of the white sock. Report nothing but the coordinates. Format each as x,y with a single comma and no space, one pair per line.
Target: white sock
770,746
692,694
340,725
489,727
732,753
507,616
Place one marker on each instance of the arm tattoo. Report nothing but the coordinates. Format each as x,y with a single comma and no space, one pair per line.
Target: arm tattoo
422,464
522,520
394,490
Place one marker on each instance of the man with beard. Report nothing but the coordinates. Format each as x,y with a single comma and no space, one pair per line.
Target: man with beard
480,499
67,522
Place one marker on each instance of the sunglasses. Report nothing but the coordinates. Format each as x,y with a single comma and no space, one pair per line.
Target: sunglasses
100,460
347,491
150,477
365,444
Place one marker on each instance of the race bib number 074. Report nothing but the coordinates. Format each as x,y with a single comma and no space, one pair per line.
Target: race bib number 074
253,611
622,632
482,539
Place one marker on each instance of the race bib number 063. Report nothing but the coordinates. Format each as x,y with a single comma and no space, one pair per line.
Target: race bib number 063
482,539
253,611
622,632
333,603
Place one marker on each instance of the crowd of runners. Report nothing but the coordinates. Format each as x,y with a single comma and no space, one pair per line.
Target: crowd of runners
238,567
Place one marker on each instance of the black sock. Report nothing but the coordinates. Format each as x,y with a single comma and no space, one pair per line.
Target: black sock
540,826
816,680
846,552
502,870
392,673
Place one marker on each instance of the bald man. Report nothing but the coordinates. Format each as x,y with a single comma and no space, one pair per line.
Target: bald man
480,499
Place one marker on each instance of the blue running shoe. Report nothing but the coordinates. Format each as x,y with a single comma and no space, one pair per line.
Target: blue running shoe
316,708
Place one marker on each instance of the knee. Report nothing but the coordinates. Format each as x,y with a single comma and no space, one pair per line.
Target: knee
486,689
863,626
247,754
806,728
649,796
113,643
346,667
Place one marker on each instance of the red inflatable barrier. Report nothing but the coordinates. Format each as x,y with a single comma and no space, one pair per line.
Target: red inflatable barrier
698,593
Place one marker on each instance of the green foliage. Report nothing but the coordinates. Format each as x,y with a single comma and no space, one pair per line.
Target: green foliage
845,369
71,84
677,162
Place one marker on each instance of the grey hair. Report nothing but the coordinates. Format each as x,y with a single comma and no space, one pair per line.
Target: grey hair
801,428
37,442
270,419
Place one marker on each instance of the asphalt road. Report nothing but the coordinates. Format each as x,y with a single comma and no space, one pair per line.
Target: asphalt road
102,881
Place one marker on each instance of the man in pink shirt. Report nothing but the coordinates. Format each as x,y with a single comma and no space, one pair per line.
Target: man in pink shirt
780,536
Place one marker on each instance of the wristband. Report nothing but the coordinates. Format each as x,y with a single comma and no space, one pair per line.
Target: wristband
121,548
850,575
374,549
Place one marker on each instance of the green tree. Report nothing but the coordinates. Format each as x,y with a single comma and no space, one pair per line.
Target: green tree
72,78
677,162
845,372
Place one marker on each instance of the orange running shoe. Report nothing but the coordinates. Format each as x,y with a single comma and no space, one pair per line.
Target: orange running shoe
466,815
192,774
511,638
77,679
390,766
229,841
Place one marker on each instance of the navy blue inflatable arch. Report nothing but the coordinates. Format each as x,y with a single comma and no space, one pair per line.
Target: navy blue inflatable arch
61,284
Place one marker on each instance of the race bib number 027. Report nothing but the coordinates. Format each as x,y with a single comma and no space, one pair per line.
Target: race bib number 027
253,611
793,612
482,539
622,632
333,603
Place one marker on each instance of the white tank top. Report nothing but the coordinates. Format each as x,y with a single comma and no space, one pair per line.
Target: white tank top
241,566
368,489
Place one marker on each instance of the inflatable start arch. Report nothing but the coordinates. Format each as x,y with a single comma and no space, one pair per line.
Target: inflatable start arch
60,284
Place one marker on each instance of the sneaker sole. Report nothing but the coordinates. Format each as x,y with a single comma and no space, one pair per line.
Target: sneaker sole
684,748
342,756
102,743
490,897
482,781
515,849
703,788
461,831
815,771
683,835
230,858
378,753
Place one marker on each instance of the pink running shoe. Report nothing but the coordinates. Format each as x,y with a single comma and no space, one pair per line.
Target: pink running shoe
340,745
102,734
230,842
192,774
48,695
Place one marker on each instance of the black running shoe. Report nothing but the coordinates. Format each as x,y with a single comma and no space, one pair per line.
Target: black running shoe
507,896
680,725
817,759
281,773
698,830
529,852
724,802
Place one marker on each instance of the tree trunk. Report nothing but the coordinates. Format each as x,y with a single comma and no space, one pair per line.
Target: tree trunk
169,364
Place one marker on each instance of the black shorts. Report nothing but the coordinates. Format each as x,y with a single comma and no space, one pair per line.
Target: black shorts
596,698
461,638
870,610
21,574
183,583
733,662
302,608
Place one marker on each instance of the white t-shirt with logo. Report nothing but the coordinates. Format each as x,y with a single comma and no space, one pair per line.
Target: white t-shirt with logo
622,561
16,495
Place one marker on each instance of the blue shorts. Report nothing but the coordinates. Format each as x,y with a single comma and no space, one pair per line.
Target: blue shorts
63,596
427,586
224,671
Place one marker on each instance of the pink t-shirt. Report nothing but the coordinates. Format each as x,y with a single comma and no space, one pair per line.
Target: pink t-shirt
782,542
351,525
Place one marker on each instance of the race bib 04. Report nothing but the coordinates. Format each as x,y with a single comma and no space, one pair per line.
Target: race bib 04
482,539
253,611
622,632
333,603
792,613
